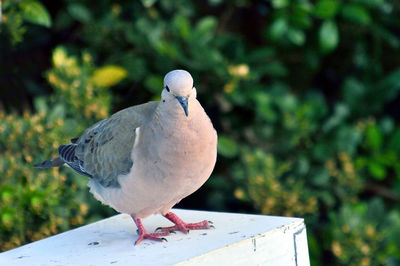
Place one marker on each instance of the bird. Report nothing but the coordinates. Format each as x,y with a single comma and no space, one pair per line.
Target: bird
146,158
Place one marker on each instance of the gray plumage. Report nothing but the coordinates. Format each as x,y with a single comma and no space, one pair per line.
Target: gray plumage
101,153
146,158
54,162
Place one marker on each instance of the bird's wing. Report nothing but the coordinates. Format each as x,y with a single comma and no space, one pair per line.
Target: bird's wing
104,150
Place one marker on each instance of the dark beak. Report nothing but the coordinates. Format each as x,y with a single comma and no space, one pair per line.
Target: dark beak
184,103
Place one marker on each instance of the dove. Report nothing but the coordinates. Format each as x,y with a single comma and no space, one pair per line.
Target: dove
144,159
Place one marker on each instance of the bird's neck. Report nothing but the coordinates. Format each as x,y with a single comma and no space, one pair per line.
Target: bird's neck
174,113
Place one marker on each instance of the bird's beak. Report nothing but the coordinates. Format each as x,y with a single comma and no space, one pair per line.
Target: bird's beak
184,103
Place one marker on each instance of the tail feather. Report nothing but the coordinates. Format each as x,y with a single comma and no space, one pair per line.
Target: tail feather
54,162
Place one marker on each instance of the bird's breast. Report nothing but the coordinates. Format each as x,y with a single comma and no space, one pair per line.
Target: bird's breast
181,153
171,160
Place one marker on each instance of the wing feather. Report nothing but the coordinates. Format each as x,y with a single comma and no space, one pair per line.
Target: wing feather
104,150
67,154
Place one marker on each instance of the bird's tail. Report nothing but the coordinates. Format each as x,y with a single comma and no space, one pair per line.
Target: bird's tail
54,162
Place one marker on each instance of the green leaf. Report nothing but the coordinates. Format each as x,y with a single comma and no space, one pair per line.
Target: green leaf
215,2
377,170
34,12
287,103
328,36
280,3
264,106
40,104
386,34
263,54
341,112
109,75
320,177
303,165
390,85
7,219
278,29
204,30
394,142
148,3
227,147
372,3
183,26
356,14
374,137
300,17
273,69
376,209
79,12
58,112
154,83
386,125
326,8
36,202
296,36
347,139
353,91
206,25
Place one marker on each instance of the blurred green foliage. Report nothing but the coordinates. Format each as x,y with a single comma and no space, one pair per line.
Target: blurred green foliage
35,204
304,95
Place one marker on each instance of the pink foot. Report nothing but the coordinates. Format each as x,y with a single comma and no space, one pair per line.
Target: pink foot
182,226
144,235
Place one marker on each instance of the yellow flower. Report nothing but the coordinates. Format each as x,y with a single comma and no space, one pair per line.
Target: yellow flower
87,58
370,231
83,208
365,249
59,57
28,158
365,262
239,194
337,249
241,71
228,88
116,9
345,228
108,75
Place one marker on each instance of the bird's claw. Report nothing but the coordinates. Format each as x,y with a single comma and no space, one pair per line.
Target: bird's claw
162,229
153,236
182,226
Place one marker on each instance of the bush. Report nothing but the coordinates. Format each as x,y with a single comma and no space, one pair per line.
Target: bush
37,203
304,95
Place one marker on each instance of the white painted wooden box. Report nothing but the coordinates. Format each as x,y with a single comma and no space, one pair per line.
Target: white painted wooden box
238,239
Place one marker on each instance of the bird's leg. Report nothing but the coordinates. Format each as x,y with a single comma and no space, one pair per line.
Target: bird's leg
182,226
144,235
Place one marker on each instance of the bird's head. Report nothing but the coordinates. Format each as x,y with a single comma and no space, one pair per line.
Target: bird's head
178,87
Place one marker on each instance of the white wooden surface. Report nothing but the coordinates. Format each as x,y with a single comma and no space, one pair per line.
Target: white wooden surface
238,239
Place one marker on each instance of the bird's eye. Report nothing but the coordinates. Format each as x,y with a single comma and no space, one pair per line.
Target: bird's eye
166,87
